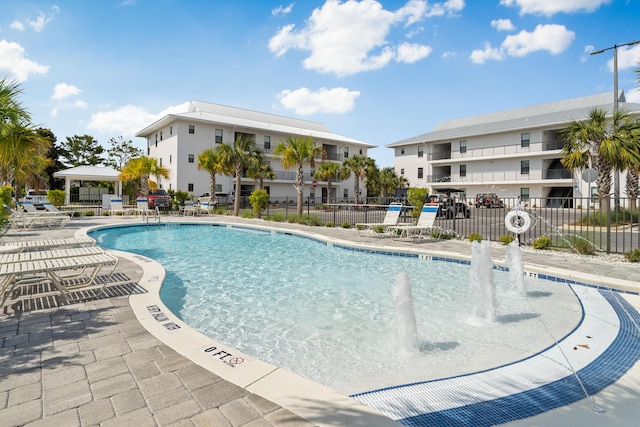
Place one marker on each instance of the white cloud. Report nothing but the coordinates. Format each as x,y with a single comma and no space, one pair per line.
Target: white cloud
552,7
282,10
54,112
449,7
64,90
14,63
347,37
627,57
305,102
129,119
410,52
80,104
502,25
17,25
553,38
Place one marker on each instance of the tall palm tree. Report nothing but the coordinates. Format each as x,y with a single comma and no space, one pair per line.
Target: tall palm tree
209,160
603,144
358,165
260,170
296,151
329,172
142,169
236,159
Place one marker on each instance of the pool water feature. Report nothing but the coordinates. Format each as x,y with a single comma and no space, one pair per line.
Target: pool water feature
325,312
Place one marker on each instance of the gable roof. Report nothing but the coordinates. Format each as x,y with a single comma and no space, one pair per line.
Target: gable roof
89,173
552,113
225,115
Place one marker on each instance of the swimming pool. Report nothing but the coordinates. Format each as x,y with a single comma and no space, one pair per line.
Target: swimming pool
325,311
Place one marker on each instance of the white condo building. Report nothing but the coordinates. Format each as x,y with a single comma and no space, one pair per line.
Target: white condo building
177,139
511,153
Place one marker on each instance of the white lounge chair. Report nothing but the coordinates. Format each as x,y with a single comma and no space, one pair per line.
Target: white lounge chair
50,207
189,209
205,207
27,220
65,273
425,222
117,208
391,219
31,245
36,255
142,206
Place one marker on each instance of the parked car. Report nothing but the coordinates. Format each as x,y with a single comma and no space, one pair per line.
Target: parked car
488,200
159,199
37,198
450,205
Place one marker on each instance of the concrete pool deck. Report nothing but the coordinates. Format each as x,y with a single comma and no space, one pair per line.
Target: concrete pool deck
97,363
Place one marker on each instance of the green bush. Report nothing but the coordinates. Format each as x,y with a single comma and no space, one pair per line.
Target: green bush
330,224
598,218
5,195
475,237
88,213
581,246
345,224
259,200
443,235
105,213
278,217
56,197
505,239
378,229
247,214
314,221
416,198
220,210
633,256
542,242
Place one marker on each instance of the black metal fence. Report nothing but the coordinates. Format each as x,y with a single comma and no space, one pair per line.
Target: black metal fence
565,220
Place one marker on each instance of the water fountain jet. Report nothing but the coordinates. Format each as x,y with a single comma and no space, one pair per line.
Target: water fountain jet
405,317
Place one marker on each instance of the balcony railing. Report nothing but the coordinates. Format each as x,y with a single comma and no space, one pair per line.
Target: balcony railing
498,150
502,176
557,174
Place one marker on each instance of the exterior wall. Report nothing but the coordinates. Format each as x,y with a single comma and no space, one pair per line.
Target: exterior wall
176,145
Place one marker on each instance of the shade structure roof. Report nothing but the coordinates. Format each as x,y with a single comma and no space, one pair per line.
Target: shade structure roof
89,173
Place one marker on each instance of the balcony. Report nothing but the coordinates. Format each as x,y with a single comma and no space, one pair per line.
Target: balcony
497,151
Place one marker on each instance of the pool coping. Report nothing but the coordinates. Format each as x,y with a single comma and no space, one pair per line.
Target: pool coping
297,394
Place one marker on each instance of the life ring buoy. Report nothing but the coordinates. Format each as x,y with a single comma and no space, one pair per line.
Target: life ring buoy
517,221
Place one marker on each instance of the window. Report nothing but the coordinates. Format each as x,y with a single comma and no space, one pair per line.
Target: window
402,151
524,193
191,158
218,136
420,173
420,150
524,167
170,130
360,151
160,135
402,171
346,152
463,146
170,158
156,139
267,142
160,161
190,186
463,170
345,193
192,129
524,139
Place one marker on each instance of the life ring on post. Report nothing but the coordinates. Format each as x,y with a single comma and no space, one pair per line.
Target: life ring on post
517,221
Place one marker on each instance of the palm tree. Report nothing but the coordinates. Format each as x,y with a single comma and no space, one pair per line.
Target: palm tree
295,152
236,159
358,165
209,160
602,144
22,150
260,170
329,172
141,169
388,181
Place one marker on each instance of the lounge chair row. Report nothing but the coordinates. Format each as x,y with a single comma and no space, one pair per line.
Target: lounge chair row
392,227
203,207
69,264
30,217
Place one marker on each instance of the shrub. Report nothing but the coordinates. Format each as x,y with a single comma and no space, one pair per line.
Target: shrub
87,213
105,213
633,256
314,221
581,246
439,234
220,210
259,200
416,198
5,195
542,242
345,225
330,224
247,214
278,217
56,197
378,228
505,239
475,237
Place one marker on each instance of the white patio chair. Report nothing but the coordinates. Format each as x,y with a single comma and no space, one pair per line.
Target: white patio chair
391,219
428,215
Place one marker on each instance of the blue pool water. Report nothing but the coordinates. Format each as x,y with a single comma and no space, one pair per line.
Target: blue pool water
325,312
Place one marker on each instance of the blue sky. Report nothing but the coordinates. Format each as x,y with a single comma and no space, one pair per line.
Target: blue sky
376,71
